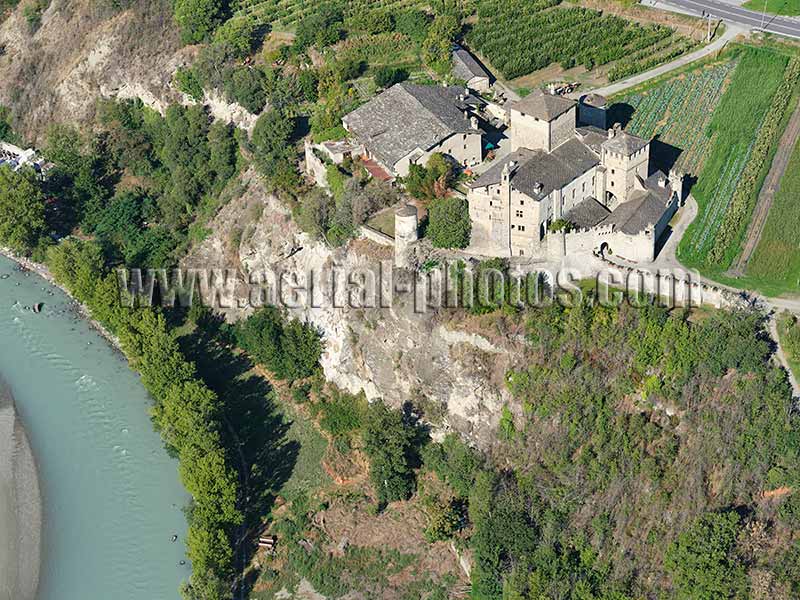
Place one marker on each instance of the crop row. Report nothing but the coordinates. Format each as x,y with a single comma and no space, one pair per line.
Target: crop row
746,192
678,112
288,12
506,31
648,59
733,129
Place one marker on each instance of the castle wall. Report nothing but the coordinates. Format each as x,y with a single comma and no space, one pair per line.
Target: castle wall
562,128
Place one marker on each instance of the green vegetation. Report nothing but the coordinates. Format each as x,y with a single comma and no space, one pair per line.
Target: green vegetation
789,332
449,225
291,350
677,111
569,37
775,264
775,7
22,210
388,442
733,129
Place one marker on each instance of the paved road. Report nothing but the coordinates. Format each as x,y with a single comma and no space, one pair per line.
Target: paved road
615,88
742,16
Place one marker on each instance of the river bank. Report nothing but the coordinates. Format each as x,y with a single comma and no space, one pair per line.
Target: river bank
111,497
20,507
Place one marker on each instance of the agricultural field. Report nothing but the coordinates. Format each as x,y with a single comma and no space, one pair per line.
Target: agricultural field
775,7
507,30
732,133
678,112
285,14
775,265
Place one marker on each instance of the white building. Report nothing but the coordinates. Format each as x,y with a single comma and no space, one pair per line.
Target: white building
593,185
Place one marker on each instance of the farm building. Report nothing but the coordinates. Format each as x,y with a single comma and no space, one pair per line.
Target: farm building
407,123
16,158
593,185
468,69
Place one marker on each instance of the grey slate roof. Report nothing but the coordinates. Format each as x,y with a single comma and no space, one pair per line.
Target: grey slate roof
595,100
537,168
542,105
644,209
466,67
592,136
408,116
587,213
624,143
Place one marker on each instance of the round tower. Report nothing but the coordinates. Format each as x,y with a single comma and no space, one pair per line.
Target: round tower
406,225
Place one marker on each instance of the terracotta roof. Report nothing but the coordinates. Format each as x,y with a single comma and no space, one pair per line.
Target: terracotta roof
543,106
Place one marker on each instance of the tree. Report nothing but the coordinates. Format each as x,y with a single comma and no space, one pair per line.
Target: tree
437,47
189,83
386,76
702,559
197,19
414,24
237,36
448,223
272,148
388,442
245,85
22,210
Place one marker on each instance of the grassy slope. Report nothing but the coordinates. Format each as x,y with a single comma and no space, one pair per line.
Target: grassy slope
775,7
775,265
734,126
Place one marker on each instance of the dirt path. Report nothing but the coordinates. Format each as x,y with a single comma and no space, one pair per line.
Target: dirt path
779,354
767,195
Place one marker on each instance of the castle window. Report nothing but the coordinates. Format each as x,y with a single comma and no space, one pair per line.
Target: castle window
522,202
522,253
465,146
512,227
519,214
521,227
583,186
612,171
573,193
612,184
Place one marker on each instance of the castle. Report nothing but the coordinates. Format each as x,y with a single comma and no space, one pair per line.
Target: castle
568,187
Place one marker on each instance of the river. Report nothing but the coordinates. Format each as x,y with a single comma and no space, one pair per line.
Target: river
111,496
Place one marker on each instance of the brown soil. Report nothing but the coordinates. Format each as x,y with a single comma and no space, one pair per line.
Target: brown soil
684,24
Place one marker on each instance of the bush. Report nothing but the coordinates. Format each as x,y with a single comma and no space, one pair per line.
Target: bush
245,85
414,24
189,83
386,77
197,19
22,211
388,443
448,223
702,560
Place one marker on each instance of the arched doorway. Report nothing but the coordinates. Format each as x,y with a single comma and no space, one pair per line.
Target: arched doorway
605,249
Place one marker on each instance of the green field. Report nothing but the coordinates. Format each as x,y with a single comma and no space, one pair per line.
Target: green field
733,131
519,37
284,14
775,7
678,111
776,261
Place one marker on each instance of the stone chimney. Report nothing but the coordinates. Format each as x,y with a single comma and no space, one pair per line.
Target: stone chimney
662,181
612,133
473,122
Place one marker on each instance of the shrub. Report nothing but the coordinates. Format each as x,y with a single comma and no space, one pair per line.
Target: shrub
448,223
386,77
245,85
189,83
702,559
388,443
197,19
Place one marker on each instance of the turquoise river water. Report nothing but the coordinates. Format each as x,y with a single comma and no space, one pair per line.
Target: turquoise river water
112,499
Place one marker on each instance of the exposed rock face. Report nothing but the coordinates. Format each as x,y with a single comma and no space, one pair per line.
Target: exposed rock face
395,353
82,51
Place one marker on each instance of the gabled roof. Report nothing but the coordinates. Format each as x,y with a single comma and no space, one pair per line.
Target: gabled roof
465,66
624,143
406,117
645,208
587,213
543,106
537,173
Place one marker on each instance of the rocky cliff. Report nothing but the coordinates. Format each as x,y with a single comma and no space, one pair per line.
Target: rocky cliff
83,50
448,363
